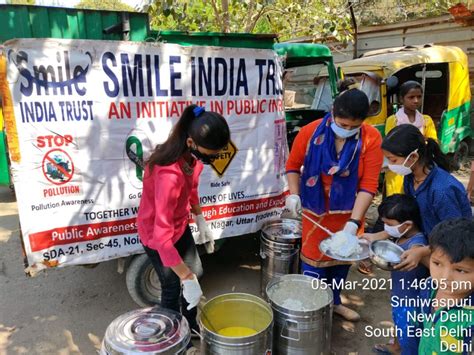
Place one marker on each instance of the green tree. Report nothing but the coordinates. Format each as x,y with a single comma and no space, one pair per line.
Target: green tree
111,5
288,18
320,19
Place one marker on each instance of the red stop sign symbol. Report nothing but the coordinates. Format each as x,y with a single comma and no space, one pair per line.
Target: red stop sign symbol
58,167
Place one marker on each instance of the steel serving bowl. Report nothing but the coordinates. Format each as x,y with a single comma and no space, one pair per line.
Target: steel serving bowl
385,254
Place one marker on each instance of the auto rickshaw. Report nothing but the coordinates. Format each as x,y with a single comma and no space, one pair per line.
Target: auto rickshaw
443,73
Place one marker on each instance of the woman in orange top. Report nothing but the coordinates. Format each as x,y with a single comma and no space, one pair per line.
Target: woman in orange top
342,159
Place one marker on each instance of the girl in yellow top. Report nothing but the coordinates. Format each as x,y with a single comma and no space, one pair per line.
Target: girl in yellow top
411,95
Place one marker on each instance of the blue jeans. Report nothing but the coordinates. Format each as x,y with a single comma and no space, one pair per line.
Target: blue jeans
332,275
171,296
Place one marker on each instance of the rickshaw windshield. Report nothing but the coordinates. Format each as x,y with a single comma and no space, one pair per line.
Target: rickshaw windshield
300,86
371,87
323,100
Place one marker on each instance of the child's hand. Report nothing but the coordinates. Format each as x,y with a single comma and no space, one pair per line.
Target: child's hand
470,184
372,237
411,258
469,190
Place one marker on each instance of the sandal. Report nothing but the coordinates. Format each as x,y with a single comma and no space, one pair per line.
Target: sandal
365,268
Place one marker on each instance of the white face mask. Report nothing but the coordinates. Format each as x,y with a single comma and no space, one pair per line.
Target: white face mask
342,132
402,169
394,231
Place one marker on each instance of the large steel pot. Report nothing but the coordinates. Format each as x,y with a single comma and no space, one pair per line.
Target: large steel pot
302,311
279,250
148,331
236,324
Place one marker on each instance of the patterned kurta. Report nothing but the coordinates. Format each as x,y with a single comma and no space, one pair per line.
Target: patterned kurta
370,164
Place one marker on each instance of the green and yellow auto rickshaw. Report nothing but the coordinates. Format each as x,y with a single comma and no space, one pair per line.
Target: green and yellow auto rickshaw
443,73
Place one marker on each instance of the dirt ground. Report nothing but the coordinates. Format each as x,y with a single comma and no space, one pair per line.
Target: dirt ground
66,311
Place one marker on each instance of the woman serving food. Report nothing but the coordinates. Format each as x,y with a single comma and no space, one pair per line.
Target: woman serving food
333,171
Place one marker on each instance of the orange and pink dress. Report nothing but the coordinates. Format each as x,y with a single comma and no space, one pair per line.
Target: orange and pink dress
369,167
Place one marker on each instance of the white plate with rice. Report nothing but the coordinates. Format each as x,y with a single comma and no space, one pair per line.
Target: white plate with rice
345,247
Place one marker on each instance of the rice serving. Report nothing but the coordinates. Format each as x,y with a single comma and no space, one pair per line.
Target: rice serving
344,244
390,256
298,296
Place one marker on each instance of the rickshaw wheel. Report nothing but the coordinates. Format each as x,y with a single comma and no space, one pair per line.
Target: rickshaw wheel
460,157
142,282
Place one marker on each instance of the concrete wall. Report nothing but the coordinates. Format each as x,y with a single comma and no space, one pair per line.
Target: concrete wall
437,30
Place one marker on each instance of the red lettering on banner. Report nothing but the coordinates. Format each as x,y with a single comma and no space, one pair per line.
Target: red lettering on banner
246,107
86,232
81,233
243,207
53,141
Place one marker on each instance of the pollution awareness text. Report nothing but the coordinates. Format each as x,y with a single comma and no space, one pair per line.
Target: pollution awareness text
88,114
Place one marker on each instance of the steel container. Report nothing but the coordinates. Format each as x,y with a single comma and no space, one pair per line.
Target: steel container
302,311
236,310
385,254
147,331
279,250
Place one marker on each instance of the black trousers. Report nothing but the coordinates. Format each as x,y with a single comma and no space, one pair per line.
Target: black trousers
171,295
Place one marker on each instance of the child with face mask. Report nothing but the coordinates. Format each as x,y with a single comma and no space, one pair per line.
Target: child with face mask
440,195
401,217
411,97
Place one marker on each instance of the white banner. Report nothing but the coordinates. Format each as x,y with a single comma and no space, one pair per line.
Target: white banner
88,113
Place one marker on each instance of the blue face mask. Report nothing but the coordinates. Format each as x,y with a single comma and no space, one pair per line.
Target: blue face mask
343,133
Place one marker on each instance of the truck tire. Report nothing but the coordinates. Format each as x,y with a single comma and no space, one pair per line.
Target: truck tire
142,282
460,157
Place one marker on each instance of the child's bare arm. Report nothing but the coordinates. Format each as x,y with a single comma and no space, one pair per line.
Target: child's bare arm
470,184
372,237
426,261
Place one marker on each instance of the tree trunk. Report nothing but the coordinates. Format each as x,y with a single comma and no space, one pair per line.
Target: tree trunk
225,16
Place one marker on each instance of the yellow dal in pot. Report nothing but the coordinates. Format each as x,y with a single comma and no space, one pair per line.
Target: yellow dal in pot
237,332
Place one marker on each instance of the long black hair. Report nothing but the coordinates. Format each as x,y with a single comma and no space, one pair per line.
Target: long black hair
406,138
206,128
352,104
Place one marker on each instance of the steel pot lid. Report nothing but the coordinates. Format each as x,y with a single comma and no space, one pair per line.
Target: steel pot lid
282,230
147,331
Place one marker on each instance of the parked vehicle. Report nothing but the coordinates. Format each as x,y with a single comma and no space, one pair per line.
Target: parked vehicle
142,281
298,59
443,73
4,170
25,21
